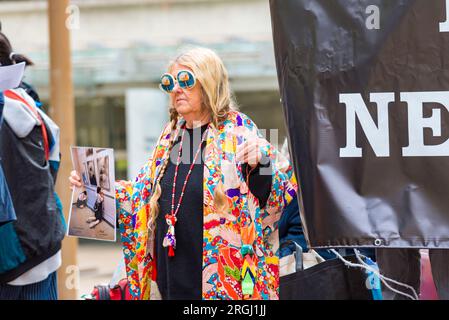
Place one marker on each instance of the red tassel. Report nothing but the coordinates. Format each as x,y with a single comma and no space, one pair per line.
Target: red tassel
171,251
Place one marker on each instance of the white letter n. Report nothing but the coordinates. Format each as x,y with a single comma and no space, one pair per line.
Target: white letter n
378,136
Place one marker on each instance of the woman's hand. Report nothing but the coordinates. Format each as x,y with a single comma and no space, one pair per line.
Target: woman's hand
75,180
249,152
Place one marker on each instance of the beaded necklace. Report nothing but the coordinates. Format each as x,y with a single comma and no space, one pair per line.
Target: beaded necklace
170,219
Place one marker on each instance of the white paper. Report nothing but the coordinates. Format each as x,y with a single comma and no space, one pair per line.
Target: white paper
11,76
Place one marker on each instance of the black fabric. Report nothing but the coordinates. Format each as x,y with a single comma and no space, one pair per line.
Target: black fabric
291,231
32,191
180,277
327,51
259,184
328,280
98,209
7,212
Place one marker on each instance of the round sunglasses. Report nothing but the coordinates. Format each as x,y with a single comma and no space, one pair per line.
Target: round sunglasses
185,79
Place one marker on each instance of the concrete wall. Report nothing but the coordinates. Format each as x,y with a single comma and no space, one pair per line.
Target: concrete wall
121,24
127,43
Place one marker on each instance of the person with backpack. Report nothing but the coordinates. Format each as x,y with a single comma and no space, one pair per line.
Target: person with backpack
30,240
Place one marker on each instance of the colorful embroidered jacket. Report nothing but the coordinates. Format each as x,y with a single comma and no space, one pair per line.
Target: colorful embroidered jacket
239,245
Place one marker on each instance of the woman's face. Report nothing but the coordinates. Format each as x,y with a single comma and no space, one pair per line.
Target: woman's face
187,102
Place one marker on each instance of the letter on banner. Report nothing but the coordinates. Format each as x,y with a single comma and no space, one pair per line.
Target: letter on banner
444,26
417,123
378,136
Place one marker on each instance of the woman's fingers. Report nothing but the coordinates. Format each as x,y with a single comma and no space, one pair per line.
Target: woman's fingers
245,150
249,152
75,183
75,175
75,180
242,151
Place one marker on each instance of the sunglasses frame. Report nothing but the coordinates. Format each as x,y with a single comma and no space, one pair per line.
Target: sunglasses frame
175,80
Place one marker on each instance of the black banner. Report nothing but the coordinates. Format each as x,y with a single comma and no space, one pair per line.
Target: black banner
365,91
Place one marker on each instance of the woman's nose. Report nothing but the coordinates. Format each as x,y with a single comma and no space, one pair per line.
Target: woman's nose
177,88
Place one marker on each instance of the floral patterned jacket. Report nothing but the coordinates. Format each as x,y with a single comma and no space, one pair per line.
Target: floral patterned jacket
241,244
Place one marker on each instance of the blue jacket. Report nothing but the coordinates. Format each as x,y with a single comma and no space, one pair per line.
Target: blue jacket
7,213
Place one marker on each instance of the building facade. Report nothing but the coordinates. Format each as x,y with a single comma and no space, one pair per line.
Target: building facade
120,49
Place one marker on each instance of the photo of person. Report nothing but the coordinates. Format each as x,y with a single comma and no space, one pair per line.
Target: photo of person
92,213
92,175
85,174
103,171
82,200
98,210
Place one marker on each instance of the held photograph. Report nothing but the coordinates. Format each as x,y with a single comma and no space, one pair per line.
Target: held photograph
92,211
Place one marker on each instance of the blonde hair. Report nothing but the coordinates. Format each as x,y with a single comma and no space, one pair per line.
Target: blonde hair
157,190
218,100
213,77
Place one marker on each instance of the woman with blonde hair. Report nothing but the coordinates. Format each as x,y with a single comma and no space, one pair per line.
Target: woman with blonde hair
200,220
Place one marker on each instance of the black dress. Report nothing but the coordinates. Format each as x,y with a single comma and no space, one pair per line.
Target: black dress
98,208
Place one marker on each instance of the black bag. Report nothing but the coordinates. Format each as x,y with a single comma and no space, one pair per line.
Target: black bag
328,280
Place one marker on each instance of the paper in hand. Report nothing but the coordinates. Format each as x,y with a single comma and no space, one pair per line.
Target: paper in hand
11,76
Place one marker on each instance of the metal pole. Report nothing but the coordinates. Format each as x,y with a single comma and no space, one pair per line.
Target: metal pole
63,112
